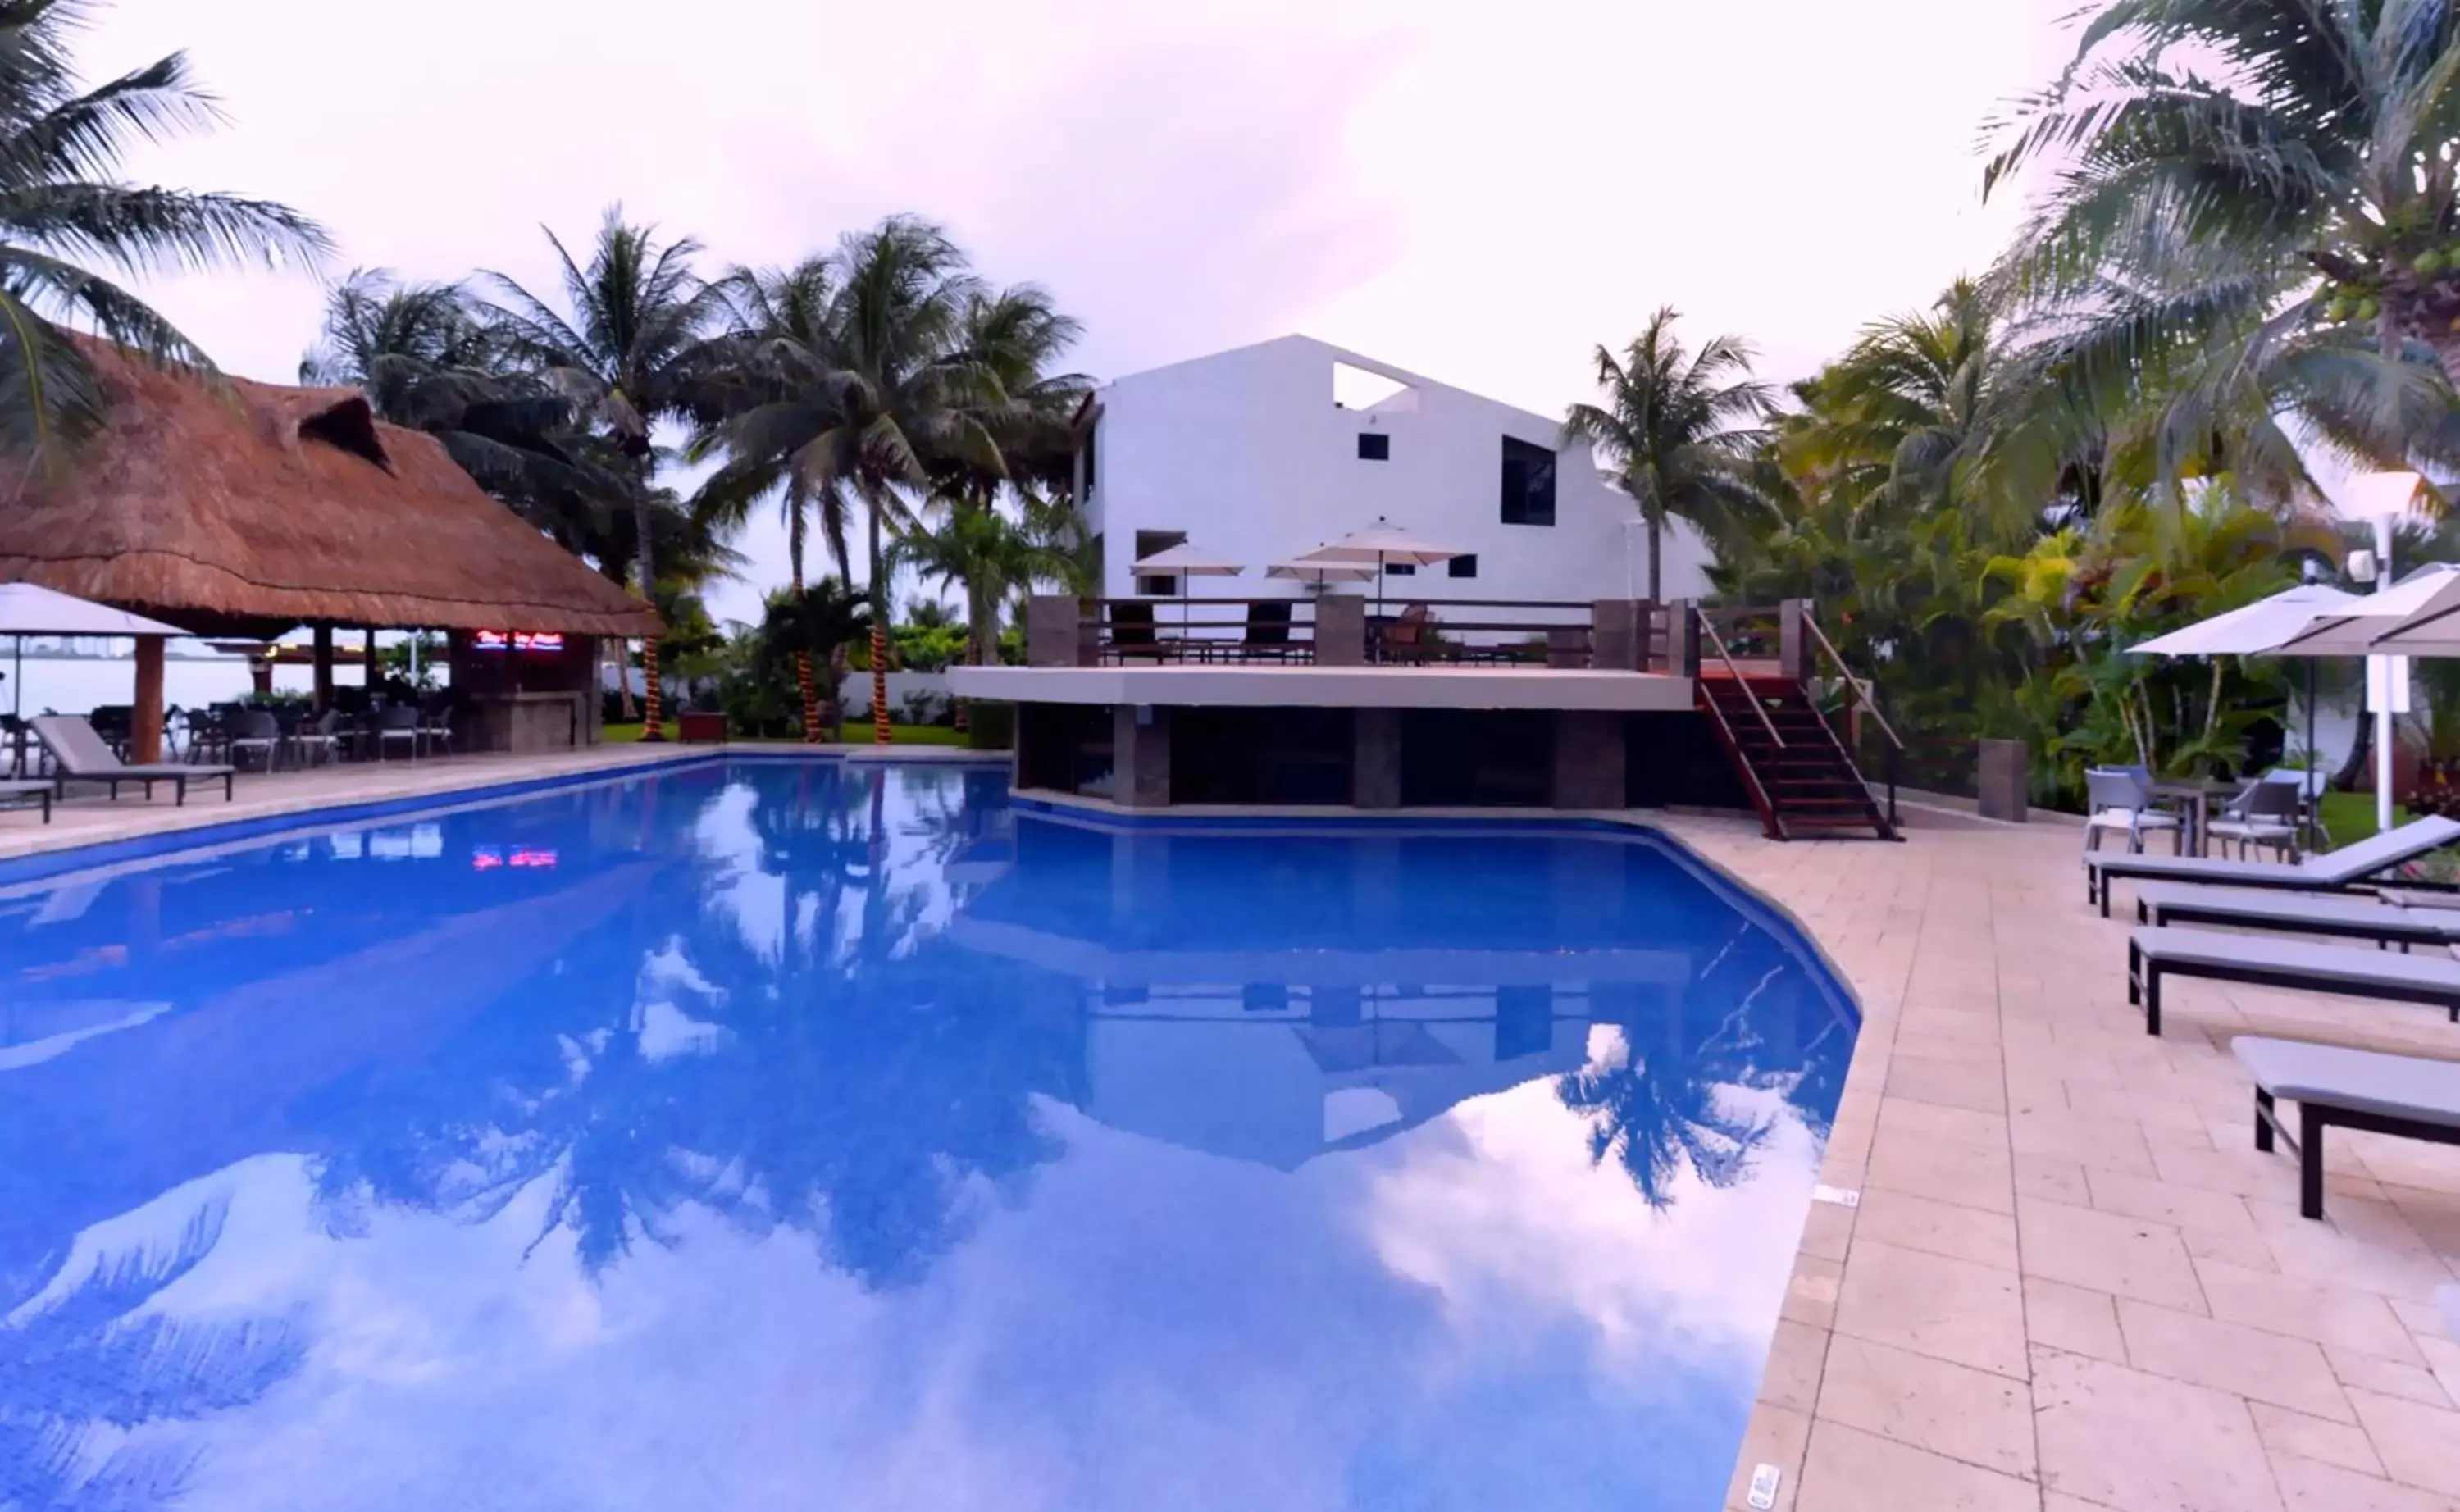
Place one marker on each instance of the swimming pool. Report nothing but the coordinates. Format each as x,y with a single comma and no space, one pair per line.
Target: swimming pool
790,1135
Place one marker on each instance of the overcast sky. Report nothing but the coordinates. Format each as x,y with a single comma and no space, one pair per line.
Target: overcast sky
1478,193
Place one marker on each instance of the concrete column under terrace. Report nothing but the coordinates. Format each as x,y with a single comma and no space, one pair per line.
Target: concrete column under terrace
1375,767
1140,756
1588,759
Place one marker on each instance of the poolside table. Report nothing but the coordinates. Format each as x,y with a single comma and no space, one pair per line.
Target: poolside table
2197,795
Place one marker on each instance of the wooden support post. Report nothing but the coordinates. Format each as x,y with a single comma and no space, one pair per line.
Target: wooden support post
1793,640
145,718
323,667
370,665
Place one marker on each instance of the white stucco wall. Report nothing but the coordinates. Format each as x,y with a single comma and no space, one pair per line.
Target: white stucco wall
1247,453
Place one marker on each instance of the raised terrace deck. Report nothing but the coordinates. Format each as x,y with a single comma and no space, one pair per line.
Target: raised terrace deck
1439,703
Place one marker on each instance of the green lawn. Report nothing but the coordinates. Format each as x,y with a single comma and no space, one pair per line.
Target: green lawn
2350,817
857,732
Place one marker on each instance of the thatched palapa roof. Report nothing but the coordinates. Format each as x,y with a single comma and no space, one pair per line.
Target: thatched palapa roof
220,505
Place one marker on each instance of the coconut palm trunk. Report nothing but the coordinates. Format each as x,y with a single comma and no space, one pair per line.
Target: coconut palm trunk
652,726
880,734
803,681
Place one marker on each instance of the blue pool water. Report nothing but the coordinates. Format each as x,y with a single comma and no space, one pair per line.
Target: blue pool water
791,1136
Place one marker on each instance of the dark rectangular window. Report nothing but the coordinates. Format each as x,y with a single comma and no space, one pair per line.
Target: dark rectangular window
1374,446
1400,569
1464,566
1528,484
1091,432
1160,585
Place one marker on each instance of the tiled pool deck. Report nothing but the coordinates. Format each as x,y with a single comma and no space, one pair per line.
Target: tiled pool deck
2070,1283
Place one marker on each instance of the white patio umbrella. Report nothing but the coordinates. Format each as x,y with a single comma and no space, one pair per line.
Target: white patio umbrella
1383,543
1322,572
27,609
1185,562
2255,629
2417,616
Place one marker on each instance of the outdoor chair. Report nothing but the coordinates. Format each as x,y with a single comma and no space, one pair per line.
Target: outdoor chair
1131,633
2121,801
2386,921
114,723
2266,815
2332,871
1406,639
78,754
2406,1097
2338,970
318,741
20,793
436,725
1268,631
254,733
399,722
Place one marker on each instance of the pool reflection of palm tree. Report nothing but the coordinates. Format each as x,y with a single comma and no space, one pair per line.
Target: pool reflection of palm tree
1657,1103
78,1372
860,1087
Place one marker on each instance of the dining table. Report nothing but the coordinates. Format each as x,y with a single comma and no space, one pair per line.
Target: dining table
2195,796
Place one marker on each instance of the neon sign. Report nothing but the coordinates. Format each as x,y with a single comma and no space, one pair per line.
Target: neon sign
542,642
490,858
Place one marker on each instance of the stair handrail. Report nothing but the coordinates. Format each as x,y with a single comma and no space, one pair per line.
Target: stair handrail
1727,657
1853,683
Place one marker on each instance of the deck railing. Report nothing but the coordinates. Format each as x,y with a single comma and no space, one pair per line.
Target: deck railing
1354,630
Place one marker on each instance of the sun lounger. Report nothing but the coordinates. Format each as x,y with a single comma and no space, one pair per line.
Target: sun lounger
2333,871
79,755
2153,954
18,794
2351,917
2408,1097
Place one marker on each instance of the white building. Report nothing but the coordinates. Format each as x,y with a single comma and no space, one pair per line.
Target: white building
1266,451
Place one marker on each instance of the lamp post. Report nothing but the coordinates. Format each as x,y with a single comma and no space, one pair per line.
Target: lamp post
2382,499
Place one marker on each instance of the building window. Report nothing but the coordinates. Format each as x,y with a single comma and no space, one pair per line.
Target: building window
1091,432
1400,569
1374,446
1528,484
1464,566
1158,585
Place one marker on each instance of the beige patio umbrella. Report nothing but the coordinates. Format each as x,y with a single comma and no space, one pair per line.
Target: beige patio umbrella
1321,572
1383,543
1183,561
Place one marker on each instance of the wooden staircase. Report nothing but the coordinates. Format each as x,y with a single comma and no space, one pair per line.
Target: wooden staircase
1800,777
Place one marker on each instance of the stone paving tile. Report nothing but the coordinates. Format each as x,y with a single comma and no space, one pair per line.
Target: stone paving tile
2295,1435
1951,1410
2140,1442
2126,1257
2189,1342
1851,1471
1949,1310
1941,1229
2420,1446
2258,1366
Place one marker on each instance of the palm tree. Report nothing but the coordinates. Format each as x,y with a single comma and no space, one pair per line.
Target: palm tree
2251,210
989,554
62,207
636,350
778,337
1680,431
428,359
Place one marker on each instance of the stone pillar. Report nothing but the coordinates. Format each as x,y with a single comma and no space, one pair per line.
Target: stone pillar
1340,630
1139,756
1644,615
2002,780
1683,638
145,718
324,667
1375,768
1794,655
1051,631
1588,759
1618,635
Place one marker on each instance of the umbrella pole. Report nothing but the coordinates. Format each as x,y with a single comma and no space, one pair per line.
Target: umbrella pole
18,713
2314,794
